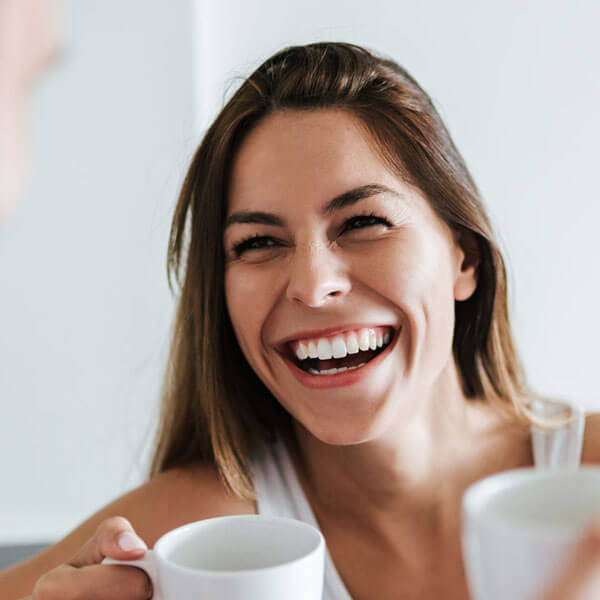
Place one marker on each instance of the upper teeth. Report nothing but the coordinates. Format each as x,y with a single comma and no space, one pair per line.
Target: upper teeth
338,346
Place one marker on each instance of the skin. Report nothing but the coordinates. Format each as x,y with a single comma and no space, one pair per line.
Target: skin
384,461
388,519
395,455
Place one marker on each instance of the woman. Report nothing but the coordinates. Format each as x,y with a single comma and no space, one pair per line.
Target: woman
343,323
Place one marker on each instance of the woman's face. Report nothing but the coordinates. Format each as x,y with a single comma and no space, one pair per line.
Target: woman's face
333,262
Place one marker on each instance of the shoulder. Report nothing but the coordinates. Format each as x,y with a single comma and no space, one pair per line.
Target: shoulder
591,439
165,502
179,496
174,498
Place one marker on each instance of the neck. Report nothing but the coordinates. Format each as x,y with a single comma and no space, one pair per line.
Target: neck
435,445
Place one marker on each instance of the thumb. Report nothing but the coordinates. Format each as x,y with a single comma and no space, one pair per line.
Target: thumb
115,538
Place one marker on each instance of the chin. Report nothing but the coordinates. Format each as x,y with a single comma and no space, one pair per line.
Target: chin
339,427
346,434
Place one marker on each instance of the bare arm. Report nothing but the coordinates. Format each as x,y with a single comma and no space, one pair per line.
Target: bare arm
169,500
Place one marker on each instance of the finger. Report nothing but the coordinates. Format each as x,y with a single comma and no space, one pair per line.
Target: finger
94,582
116,538
581,578
590,551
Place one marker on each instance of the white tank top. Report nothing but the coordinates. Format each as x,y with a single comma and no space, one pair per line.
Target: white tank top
279,492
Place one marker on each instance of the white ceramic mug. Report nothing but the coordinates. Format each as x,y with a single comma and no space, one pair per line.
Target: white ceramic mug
519,528
242,557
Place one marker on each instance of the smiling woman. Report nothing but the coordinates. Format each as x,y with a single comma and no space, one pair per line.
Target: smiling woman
343,319
342,352
343,204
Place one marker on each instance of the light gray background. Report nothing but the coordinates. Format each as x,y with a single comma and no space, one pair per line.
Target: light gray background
85,309
84,304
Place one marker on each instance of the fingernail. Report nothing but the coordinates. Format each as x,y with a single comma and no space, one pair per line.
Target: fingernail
129,541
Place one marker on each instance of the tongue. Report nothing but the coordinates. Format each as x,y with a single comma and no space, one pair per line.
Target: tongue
350,360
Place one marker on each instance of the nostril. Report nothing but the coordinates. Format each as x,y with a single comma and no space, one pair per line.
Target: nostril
317,299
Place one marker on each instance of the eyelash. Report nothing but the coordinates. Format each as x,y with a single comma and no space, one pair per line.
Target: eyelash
247,243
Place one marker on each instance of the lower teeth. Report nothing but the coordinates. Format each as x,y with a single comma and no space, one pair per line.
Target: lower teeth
333,371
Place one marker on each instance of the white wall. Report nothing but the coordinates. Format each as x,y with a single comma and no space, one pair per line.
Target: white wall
84,304
517,83
84,307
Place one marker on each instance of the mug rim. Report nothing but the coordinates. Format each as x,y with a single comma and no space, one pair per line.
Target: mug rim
182,529
478,494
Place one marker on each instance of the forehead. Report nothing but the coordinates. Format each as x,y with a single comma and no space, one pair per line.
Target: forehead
308,154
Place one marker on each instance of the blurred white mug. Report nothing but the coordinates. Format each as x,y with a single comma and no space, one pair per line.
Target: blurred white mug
242,557
520,527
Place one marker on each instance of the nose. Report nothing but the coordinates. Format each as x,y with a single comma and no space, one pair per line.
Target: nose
316,276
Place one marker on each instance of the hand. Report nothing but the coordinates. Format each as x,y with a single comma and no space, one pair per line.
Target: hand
85,577
581,578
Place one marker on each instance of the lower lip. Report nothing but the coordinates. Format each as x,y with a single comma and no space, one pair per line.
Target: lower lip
321,382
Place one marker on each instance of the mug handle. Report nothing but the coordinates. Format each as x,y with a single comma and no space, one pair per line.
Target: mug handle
147,564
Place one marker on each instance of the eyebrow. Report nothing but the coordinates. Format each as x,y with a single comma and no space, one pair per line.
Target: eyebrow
342,201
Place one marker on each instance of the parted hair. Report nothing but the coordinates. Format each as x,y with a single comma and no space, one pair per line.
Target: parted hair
214,407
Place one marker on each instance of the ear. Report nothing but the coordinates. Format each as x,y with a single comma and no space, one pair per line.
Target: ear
467,264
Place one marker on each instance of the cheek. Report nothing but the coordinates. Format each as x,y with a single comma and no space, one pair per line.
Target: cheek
437,306
398,268
243,301
416,275
418,263
234,300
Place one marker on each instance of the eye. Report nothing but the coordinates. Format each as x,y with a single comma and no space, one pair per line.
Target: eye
262,242
362,221
255,242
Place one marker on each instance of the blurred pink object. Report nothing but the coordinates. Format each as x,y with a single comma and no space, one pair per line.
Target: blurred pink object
30,36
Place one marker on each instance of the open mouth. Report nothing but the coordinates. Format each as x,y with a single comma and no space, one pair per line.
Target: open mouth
350,362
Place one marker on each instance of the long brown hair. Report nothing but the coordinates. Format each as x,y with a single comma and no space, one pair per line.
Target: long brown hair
214,406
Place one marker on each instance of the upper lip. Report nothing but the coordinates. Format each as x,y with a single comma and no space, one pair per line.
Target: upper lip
317,333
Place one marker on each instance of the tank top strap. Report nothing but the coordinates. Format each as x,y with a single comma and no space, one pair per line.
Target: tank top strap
277,487
279,493
560,447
